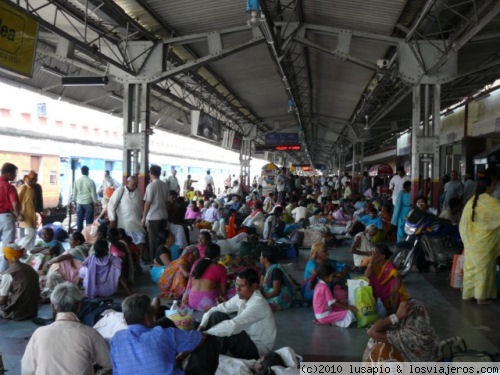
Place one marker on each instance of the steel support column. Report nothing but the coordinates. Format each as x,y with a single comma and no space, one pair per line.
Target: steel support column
245,157
425,142
136,132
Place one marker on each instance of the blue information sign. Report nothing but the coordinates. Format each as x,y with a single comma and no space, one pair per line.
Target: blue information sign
275,139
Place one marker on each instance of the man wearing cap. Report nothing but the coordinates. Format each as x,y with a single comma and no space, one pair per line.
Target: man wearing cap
19,288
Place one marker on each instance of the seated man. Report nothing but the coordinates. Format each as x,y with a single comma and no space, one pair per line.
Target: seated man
146,349
252,332
65,346
19,288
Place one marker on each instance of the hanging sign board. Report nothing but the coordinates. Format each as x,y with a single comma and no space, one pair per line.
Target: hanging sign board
280,139
18,36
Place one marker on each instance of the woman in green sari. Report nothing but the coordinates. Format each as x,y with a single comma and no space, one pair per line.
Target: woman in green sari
276,285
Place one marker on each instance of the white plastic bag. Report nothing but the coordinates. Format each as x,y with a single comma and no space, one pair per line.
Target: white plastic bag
111,322
352,285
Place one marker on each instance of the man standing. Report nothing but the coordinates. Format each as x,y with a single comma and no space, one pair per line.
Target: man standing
396,183
9,204
65,346
173,183
252,332
469,187
144,348
108,181
27,202
19,288
125,211
281,185
85,197
38,199
209,185
154,214
187,187
453,189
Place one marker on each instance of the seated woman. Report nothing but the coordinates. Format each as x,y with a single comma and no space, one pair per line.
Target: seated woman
66,267
275,284
406,336
101,272
330,308
167,251
207,283
384,279
255,221
119,248
192,213
163,255
273,225
49,248
174,279
203,240
318,256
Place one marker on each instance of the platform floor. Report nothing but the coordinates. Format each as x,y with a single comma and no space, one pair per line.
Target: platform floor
479,325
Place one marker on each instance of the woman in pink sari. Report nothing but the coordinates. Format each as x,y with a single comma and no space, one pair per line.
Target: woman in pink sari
66,267
385,280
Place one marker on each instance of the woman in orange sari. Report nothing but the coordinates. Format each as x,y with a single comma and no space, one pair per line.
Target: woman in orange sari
174,279
384,279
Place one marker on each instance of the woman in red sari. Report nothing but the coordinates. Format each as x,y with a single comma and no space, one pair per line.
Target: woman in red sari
385,280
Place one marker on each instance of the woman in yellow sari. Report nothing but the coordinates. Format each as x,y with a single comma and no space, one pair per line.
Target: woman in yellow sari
480,232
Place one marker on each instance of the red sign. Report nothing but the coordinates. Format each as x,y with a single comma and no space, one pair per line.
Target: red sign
287,148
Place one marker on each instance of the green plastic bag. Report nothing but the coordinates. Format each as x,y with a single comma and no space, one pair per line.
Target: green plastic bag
366,306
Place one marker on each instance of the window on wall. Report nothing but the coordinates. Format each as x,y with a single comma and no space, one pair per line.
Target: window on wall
53,177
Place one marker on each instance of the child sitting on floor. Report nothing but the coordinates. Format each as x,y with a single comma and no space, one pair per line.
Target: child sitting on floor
327,309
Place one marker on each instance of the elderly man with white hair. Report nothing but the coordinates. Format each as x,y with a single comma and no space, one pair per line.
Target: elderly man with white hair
66,346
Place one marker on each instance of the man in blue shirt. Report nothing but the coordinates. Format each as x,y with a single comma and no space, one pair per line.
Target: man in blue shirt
371,218
149,349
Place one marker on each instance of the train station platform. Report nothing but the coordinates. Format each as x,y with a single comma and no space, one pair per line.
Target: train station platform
450,316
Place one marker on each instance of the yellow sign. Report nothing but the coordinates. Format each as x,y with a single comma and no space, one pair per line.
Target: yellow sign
18,36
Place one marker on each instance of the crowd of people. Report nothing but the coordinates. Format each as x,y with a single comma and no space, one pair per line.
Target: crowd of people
237,293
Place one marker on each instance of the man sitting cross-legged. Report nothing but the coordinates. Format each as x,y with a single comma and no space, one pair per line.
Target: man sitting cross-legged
252,332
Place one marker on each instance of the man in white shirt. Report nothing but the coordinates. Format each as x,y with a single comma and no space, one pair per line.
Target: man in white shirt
252,332
209,184
299,213
125,210
281,185
396,183
173,183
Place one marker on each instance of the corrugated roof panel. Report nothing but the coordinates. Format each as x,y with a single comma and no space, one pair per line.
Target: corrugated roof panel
373,16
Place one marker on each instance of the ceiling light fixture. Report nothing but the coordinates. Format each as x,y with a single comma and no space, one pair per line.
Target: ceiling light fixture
367,127
85,81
